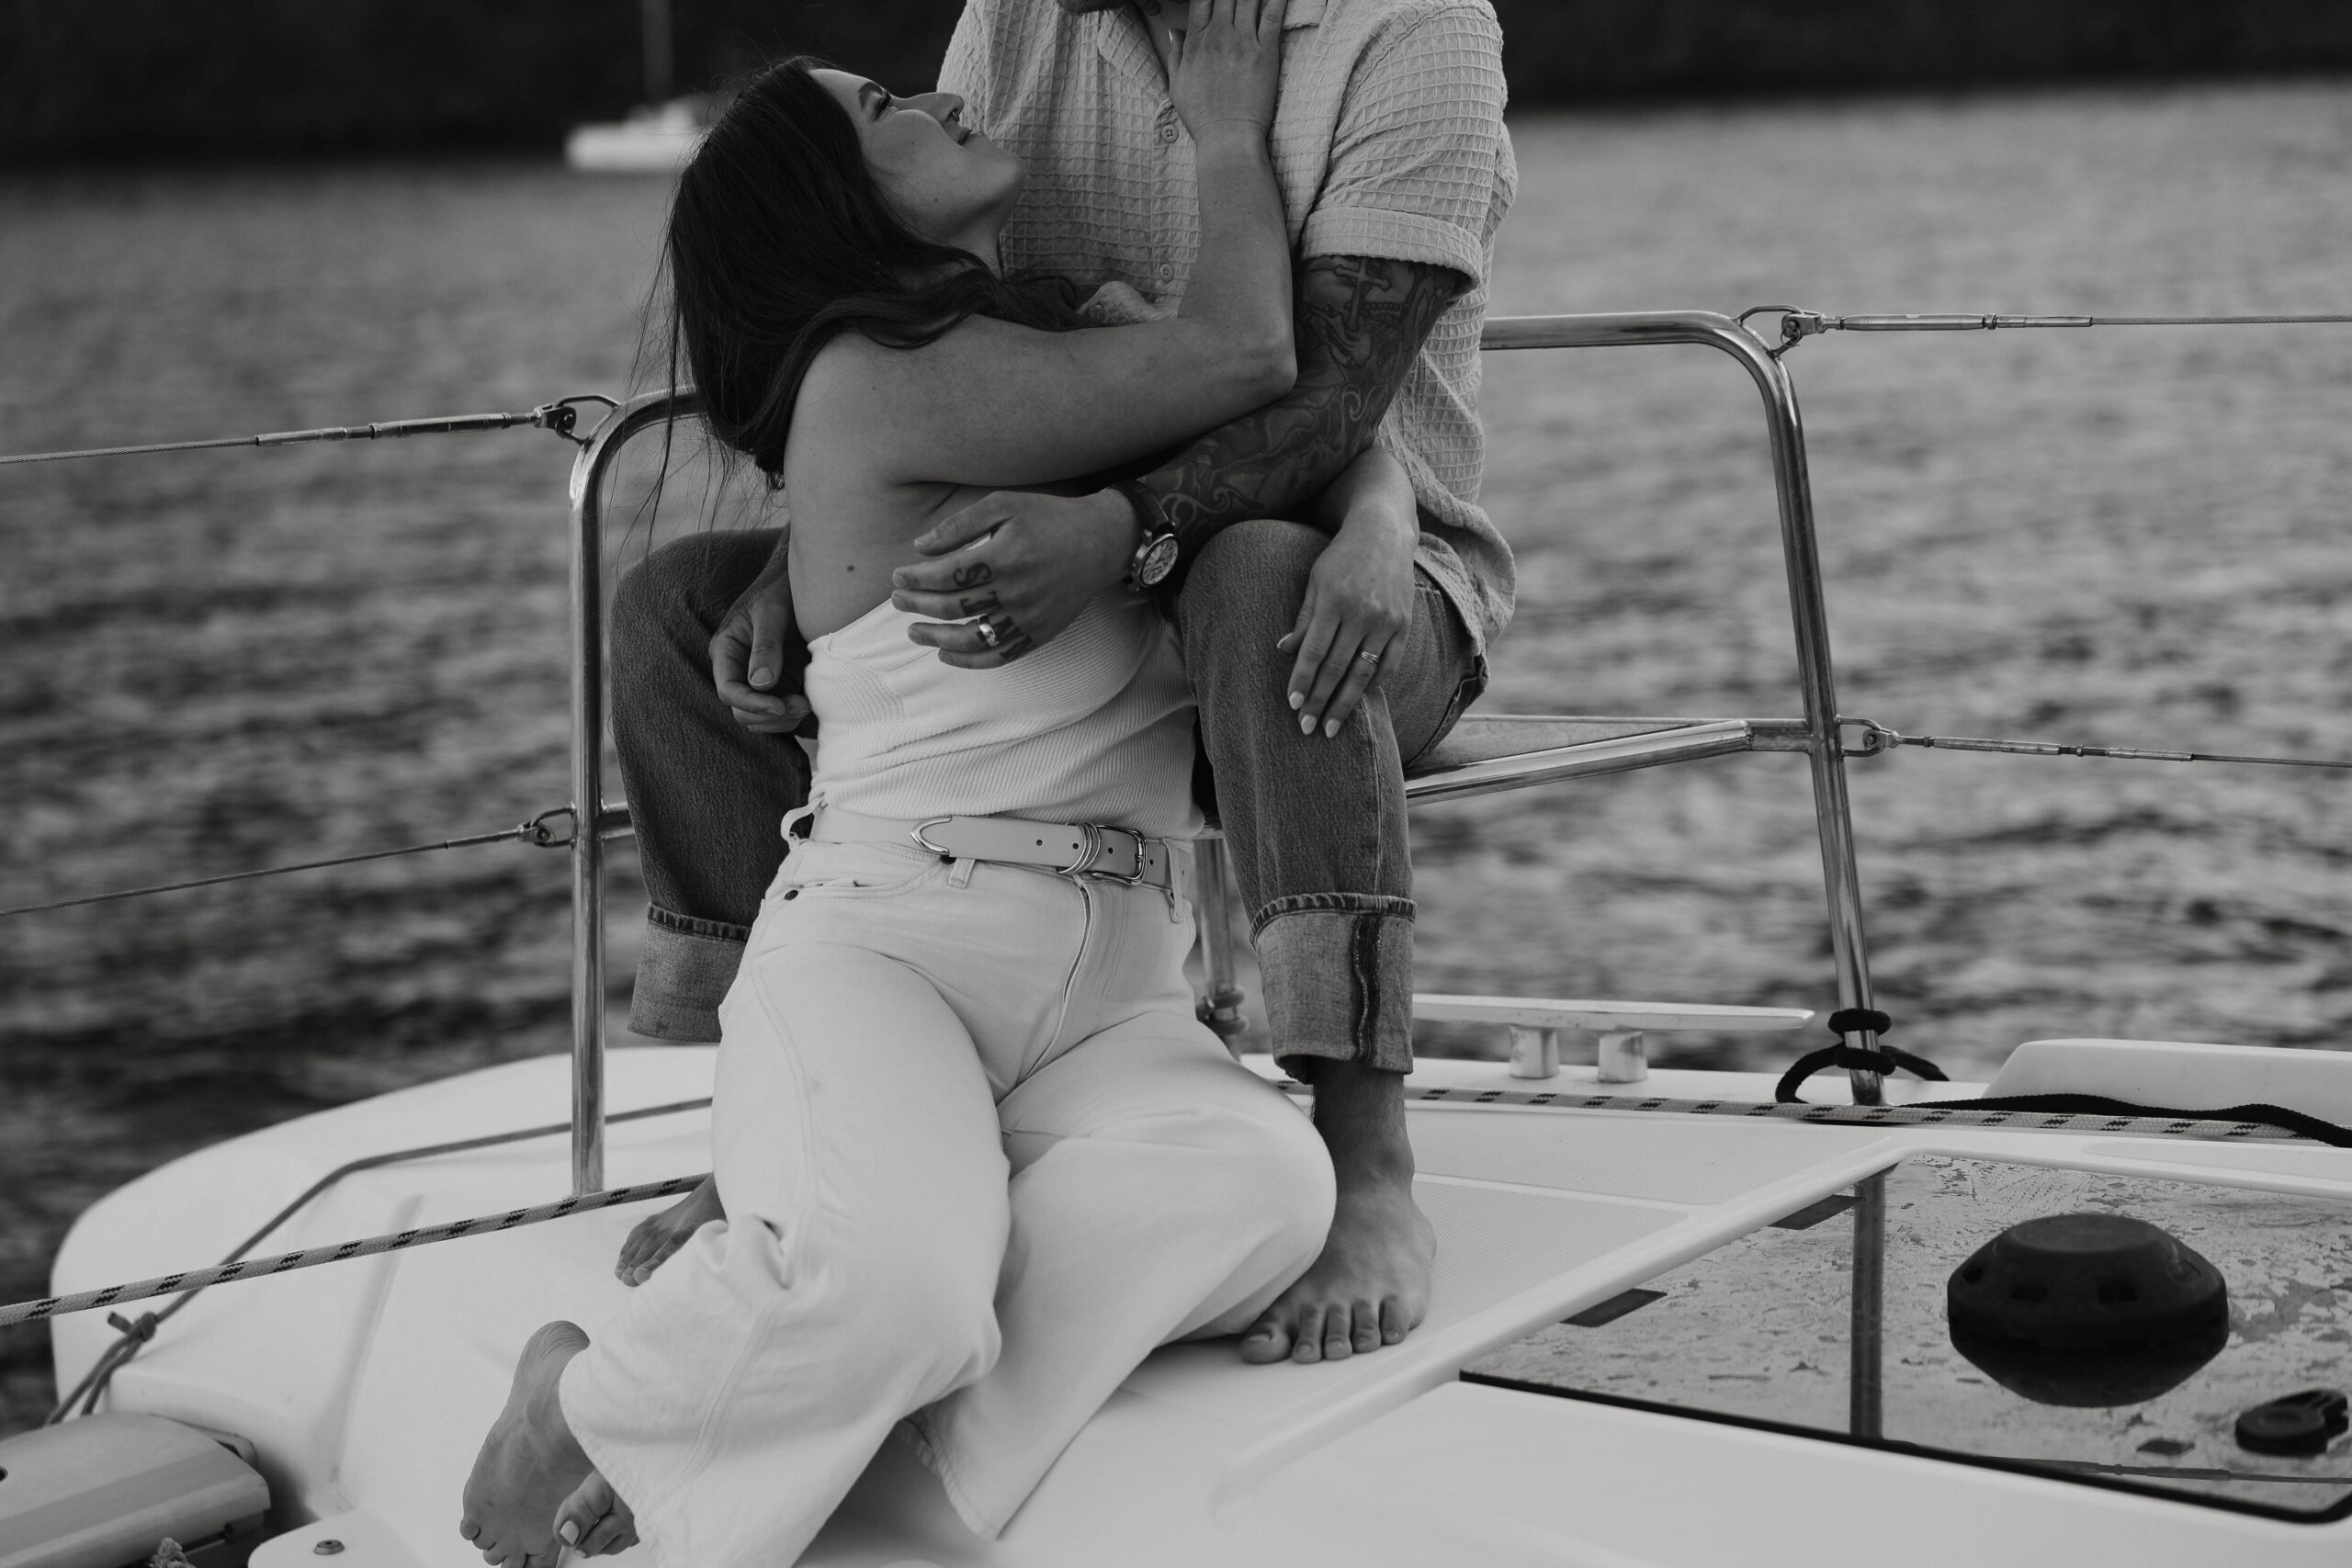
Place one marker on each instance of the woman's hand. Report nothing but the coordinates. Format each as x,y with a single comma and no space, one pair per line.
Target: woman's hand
1229,64
1359,601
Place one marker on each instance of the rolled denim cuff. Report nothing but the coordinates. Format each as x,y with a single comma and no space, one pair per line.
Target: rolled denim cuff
683,976
1338,976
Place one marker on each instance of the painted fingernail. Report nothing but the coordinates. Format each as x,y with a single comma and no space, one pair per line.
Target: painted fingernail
1297,700
571,1533
1307,724
1331,729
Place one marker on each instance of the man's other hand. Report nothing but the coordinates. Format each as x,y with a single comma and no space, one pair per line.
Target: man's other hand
1009,573
747,654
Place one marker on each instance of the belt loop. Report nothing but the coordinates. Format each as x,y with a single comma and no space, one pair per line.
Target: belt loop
962,875
797,824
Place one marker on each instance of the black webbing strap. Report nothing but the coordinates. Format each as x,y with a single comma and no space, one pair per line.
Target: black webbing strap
2297,1122
1854,1058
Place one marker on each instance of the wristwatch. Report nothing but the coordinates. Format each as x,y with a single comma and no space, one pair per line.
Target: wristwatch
1156,556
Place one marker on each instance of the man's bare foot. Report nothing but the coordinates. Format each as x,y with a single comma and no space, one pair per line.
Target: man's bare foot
1371,1285
530,1462
595,1520
652,1243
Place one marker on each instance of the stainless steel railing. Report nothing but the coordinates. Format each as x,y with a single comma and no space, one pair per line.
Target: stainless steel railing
1808,612
589,471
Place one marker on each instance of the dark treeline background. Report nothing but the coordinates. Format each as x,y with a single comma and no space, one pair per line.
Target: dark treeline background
161,78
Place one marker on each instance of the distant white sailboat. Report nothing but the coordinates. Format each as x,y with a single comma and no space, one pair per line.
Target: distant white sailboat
660,134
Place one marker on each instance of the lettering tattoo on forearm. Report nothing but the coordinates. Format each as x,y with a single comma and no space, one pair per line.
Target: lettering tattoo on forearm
1361,323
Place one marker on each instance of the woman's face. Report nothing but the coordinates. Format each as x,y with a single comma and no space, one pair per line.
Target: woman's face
948,181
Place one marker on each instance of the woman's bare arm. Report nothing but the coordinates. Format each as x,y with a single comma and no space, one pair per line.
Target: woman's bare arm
999,405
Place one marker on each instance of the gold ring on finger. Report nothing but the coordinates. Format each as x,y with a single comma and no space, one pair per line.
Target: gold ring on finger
1367,656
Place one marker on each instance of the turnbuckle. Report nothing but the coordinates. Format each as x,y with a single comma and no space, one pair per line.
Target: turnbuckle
1877,738
562,416
1797,325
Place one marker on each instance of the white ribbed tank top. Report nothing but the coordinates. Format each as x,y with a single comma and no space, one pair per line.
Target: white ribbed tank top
1094,727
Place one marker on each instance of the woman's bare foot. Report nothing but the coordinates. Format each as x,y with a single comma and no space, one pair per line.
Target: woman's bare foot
530,1463
652,1243
594,1519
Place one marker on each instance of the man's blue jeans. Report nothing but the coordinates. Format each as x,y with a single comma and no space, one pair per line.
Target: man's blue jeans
1316,827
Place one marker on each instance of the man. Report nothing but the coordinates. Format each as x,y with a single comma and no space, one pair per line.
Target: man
1322,666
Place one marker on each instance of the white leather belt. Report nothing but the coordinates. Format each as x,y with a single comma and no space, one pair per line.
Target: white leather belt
1068,848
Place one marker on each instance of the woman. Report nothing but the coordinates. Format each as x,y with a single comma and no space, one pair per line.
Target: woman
978,1156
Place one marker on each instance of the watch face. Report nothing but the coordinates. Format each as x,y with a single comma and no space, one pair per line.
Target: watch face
1156,559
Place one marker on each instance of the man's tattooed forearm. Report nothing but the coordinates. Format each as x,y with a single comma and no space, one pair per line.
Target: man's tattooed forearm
1361,323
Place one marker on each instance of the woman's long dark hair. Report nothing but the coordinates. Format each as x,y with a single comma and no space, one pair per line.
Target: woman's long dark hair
779,239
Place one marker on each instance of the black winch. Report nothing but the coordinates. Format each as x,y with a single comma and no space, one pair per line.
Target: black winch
2087,1310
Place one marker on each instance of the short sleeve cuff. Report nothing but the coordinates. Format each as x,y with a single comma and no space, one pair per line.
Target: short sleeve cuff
1396,236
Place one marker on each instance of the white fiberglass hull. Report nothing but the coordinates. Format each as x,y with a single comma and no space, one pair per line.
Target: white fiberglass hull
367,1386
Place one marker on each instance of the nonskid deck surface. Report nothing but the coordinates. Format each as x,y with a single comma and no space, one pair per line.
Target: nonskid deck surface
367,1385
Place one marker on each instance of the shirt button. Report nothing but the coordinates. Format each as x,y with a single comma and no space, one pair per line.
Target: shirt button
1167,133
1167,271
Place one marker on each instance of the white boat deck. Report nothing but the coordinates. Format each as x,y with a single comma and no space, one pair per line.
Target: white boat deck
367,1385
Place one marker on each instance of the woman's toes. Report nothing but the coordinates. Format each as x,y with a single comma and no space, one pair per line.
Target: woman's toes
612,1534
1367,1326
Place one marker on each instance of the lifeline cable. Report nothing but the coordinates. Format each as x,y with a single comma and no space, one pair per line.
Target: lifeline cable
612,823
311,1257
560,416
1879,739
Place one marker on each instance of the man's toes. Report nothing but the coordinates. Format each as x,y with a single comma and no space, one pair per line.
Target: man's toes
1339,1334
1307,1347
469,1528
1394,1322
1268,1340
1367,1325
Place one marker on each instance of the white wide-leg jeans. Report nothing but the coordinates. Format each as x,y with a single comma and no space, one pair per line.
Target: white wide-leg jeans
978,1160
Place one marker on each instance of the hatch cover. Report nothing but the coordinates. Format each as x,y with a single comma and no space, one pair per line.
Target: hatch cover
1775,1329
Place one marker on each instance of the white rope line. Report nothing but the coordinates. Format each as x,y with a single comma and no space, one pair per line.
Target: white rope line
311,1257
1856,1115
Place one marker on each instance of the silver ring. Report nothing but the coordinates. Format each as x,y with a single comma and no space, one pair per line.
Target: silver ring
987,631
1367,656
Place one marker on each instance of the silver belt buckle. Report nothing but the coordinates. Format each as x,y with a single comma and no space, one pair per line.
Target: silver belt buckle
921,840
1141,866
1096,848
